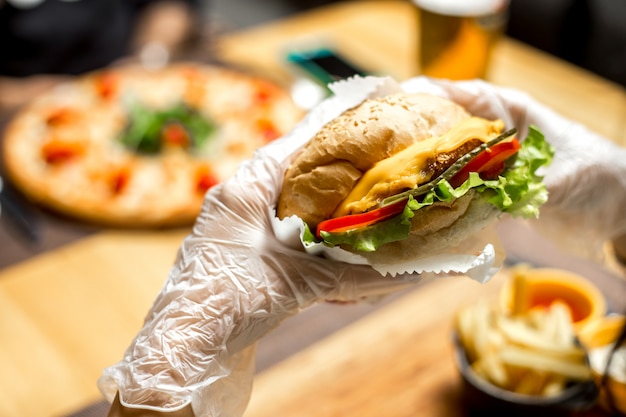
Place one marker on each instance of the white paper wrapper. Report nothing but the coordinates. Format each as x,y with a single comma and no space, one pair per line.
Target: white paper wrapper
478,258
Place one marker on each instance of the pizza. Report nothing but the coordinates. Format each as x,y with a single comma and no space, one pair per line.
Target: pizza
128,146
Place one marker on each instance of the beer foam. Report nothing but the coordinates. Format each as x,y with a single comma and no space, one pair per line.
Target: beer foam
463,8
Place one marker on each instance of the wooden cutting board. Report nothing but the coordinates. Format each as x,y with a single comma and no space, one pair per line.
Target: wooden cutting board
397,362
69,313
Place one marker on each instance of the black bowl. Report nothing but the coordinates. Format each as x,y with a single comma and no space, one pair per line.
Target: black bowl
480,396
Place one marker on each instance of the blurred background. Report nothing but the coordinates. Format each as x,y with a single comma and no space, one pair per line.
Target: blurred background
588,33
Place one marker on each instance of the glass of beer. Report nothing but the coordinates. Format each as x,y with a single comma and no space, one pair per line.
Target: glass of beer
456,37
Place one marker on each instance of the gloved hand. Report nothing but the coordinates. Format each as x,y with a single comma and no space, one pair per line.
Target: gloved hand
586,180
234,279
232,283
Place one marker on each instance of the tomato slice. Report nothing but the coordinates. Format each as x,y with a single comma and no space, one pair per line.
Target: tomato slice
489,162
354,221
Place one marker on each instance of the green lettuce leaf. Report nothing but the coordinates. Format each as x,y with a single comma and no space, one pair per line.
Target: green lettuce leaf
519,191
370,238
143,131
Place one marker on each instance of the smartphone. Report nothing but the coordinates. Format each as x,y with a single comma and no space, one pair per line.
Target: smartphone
324,65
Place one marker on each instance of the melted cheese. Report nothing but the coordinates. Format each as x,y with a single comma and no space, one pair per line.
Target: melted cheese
409,167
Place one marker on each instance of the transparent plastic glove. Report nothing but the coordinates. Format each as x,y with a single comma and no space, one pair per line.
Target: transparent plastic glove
234,280
231,284
586,180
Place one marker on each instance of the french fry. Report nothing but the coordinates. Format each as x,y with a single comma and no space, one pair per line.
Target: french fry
518,333
520,290
530,382
563,331
465,327
554,386
522,357
536,318
481,330
490,368
533,352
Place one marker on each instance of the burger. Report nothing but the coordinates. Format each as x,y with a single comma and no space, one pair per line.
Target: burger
408,175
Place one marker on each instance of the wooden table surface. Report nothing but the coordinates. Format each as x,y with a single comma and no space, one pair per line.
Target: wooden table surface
68,313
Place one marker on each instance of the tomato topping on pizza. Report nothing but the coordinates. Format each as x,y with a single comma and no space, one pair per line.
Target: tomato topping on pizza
175,134
119,180
205,179
56,152
63,116
268,129
265,92
106,84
